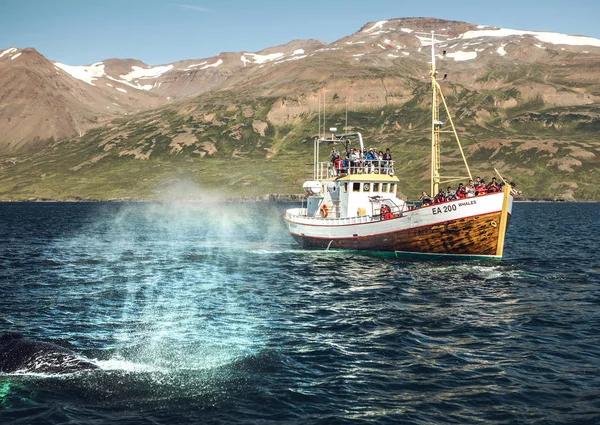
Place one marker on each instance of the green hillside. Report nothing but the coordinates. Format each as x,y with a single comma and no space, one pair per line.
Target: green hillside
229,147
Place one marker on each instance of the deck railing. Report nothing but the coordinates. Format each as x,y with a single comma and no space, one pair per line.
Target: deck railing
299,215
327,170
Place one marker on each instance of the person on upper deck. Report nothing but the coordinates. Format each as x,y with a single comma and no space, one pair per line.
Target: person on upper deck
338,165
387,158
335,154
354,161
379,162
370,158
346,164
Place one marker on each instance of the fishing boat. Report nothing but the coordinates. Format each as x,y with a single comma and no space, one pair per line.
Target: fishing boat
355,205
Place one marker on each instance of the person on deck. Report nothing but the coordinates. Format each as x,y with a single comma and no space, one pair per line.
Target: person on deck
387,161
338,165
425,199
354,161
493,186
370,158
440,197
335,154
450,194
513,190
461,192
481,189
471,189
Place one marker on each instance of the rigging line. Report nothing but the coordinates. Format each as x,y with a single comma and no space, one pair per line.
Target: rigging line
489,159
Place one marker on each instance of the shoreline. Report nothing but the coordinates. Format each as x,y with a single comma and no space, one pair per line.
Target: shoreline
272,197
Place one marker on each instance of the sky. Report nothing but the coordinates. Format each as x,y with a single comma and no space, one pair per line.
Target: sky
81,32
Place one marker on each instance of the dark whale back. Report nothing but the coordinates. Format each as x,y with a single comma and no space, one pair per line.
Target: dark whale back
27,355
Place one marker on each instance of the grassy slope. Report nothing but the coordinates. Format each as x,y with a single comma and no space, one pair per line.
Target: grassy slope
551,153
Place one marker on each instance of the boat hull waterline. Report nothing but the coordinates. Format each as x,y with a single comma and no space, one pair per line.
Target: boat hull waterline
466,227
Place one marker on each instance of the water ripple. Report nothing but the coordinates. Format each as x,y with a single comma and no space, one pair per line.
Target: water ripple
198,314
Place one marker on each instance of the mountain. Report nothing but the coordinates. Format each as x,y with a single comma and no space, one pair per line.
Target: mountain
530,100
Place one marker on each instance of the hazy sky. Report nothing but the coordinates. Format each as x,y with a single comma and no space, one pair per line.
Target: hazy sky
80,32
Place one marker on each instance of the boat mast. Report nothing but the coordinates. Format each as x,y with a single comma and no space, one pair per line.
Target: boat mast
435,127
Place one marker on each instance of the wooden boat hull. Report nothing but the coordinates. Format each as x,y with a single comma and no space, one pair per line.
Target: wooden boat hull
459,228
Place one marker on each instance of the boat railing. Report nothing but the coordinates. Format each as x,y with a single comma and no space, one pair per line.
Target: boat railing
299,215
329,169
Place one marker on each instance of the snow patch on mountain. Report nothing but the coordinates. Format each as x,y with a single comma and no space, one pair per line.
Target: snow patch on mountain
87,74
462,56
12,58
8,51
501,50
377,25
135,86
152,72
425,41
213,65
547,37
260,59
196,64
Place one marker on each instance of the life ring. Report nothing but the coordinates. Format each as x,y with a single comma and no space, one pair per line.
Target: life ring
324,210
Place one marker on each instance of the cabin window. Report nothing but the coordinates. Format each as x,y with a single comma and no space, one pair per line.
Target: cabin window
356,187
366,187
384,187
375,187
345,187
392,187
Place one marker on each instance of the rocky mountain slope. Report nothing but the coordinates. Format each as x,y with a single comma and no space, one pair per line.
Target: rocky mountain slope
530,100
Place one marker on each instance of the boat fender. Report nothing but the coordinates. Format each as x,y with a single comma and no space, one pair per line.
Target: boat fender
324,210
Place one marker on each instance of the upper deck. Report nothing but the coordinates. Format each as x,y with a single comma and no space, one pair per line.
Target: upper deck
361,169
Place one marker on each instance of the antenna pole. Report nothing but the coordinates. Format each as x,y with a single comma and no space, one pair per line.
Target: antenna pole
324,128
346,127
319,101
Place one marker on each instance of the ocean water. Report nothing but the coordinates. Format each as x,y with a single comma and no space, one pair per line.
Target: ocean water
211,314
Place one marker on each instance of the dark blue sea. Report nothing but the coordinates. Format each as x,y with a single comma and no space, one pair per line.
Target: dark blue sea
211,314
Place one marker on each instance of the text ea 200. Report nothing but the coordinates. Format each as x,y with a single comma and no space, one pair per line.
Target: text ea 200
443,209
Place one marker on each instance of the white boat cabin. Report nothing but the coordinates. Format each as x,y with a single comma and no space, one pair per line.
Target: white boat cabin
357,189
